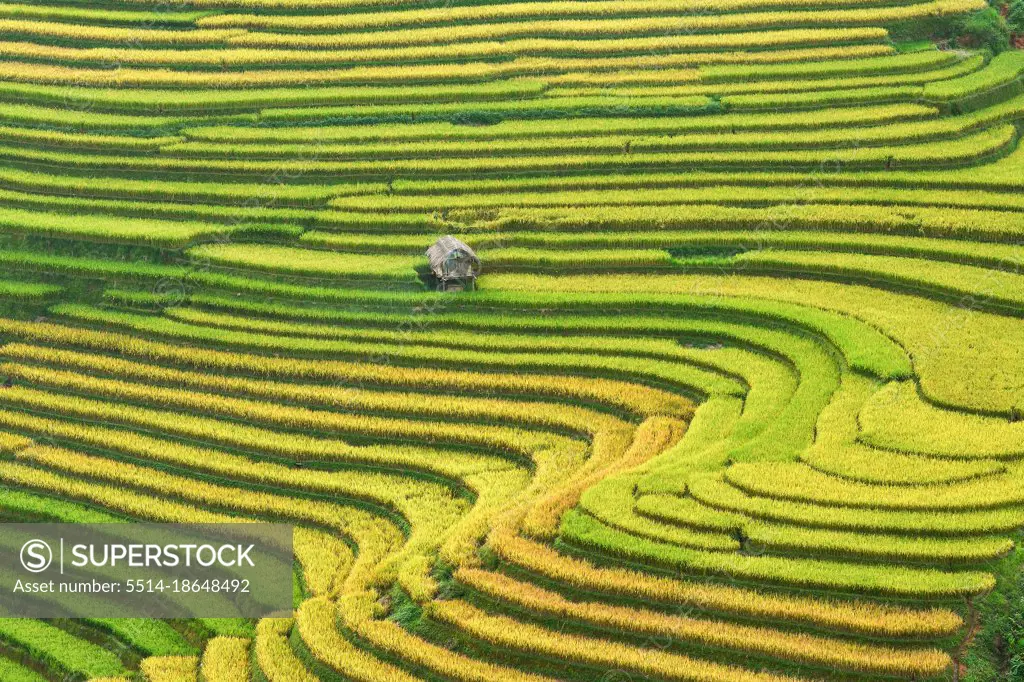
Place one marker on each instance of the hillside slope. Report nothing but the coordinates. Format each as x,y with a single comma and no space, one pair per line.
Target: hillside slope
739,396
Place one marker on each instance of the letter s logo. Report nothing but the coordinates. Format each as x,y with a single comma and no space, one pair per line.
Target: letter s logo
36,556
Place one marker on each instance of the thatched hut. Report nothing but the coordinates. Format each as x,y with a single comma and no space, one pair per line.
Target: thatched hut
454,265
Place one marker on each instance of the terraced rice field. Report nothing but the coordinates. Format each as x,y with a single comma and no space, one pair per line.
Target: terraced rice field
739,395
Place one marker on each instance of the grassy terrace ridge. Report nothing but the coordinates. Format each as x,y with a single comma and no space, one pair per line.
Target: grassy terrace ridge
737,394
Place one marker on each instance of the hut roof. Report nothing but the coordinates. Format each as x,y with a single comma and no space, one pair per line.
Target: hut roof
437,253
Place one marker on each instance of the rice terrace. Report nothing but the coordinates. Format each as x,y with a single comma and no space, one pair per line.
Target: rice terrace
584,340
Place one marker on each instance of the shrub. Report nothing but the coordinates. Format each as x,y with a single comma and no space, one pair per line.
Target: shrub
987,29
1015,16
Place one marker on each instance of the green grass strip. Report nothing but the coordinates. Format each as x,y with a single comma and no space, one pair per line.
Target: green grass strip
585,531
53,646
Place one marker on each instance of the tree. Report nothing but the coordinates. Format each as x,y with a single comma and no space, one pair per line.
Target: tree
987,28
1015,17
